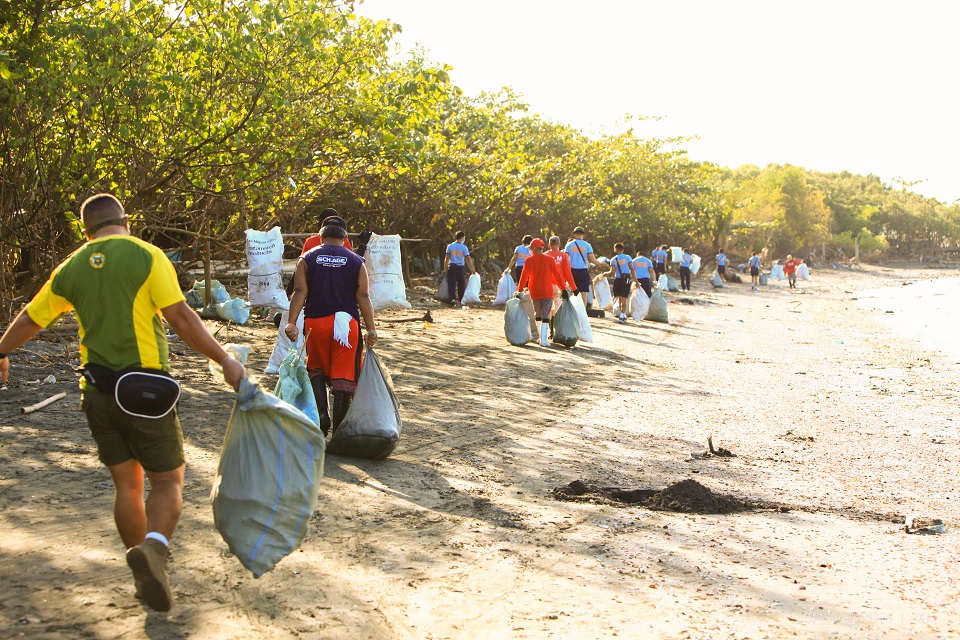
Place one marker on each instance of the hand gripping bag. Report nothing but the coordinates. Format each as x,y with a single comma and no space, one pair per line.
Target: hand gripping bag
294,387
604,297
283,342
471,294
586,333
716,280
658,308
268,479
516,324
371,428
639,303
566,325
505,289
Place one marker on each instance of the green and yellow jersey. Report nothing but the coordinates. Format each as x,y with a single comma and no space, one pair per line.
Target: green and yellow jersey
117,285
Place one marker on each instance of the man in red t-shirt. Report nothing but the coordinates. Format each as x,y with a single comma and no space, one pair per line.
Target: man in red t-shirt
790,269
540,275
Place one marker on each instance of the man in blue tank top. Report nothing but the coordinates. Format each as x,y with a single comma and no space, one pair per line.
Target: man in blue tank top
454,264
332,287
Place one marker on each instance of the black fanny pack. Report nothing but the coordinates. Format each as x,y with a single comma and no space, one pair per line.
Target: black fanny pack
143,393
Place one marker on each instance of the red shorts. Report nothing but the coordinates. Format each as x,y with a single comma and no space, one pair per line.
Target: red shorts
327,357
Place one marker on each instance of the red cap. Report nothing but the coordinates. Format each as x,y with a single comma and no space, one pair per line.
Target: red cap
537,242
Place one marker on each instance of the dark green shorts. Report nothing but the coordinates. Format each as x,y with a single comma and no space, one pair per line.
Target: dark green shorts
156,443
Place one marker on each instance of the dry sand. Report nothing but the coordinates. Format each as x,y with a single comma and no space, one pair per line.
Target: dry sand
459,534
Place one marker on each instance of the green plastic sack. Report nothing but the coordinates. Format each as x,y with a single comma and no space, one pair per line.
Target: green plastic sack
658,308
371,428
268,478
294,387
566,325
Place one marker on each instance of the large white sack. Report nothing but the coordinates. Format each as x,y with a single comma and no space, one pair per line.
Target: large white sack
663,282
695,264
283,344
265,259
586,333
676,254
639,303
505,289
386,272
776,272
472,293
716,280
603,296
803,272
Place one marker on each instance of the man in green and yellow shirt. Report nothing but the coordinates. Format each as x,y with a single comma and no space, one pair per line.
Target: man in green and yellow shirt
121,289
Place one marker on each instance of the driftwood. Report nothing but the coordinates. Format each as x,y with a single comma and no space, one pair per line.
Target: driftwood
725,453
426,317
43,403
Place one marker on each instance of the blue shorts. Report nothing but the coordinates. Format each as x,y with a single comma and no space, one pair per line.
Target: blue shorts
581,278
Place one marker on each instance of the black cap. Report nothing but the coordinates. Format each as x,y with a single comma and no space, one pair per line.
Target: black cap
335,221
579,230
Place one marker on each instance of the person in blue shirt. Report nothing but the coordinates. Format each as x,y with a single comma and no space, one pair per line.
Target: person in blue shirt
520,255
754,264
685,261
454,265
722,265
659,255
621,268
641,270
581,257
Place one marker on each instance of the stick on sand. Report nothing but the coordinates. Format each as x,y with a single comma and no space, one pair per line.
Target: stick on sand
43,403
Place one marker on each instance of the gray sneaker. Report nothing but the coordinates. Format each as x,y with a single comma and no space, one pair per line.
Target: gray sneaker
148,561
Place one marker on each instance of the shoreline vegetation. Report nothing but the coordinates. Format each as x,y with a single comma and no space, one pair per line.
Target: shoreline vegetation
839,431
204,127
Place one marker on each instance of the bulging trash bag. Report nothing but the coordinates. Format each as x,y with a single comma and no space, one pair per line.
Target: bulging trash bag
639,303
716,280
676,254
505,289
604,297
283,343
658,308
663,282
566,325
371,428
803,272
194,299
268,479
764,279
294,386
516,324
586,333
776,272
527,303
385,271
235,310
218,292
695,264
471,295
672,285
443,289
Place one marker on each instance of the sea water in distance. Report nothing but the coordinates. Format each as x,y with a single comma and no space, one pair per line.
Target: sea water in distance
927,311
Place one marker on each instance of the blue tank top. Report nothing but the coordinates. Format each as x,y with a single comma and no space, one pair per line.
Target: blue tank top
332,280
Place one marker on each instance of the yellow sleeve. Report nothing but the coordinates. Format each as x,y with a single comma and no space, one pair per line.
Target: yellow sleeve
164,287
47,306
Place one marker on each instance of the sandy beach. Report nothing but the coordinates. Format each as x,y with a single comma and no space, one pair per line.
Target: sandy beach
839,428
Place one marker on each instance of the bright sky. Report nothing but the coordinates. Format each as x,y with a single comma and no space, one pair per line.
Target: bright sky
863,86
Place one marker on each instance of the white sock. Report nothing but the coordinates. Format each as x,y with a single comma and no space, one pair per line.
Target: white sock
159,537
